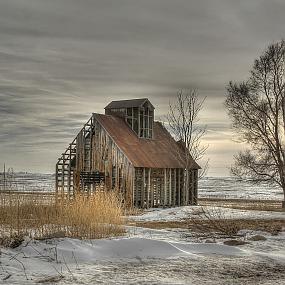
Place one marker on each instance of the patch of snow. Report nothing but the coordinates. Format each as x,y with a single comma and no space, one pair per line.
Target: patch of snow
141,258
180,213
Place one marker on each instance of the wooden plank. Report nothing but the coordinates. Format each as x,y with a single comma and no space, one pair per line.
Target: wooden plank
149,200
165,188
174,202
186,190
143,189
131,179
137,189
69,173
192,186
56,180
196,188
151,189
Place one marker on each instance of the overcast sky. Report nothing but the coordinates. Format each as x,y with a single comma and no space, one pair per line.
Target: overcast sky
61,60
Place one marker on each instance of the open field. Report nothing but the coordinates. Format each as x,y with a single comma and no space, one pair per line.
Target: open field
246,204
148,256
235,203
181,245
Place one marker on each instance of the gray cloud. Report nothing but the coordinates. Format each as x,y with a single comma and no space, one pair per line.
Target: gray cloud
61,60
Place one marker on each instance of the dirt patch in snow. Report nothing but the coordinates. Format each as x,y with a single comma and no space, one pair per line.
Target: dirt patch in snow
273,226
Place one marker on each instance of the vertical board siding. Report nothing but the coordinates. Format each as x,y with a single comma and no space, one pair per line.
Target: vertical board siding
164,187
94,150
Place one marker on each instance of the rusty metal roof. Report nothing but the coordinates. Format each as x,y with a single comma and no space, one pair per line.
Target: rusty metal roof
127,103
160,152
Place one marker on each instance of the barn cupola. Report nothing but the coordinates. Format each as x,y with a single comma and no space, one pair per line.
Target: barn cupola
138,114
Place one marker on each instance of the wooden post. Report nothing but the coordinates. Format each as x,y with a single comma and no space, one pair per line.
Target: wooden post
174,202
151,190
69,172
187,188
136,189
196,188
56,181
165,188
149,201
63,176
131,172
143,189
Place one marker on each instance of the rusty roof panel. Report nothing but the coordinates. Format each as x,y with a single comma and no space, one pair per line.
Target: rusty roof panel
160,152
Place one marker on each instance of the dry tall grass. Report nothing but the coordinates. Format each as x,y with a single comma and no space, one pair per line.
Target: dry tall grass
97,216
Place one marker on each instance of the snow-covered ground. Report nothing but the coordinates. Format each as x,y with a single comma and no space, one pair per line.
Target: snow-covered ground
232,188
144,259
178,213
149,256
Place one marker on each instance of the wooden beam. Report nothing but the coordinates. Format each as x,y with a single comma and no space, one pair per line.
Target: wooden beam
69,173
149,201
137,190
196,188
192,186
174,202
56,181
165,188
151,190
186,190
143,188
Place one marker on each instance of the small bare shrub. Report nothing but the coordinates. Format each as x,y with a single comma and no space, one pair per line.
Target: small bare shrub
213,221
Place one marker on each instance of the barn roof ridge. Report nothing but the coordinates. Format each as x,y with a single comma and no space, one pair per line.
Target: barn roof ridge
128,103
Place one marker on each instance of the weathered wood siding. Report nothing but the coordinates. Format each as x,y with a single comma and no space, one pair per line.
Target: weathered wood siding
96,151
164,187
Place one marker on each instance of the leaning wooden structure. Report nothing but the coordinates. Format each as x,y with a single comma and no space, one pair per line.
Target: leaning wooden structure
126,150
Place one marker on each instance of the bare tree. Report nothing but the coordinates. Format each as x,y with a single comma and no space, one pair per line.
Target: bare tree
183,120
257,109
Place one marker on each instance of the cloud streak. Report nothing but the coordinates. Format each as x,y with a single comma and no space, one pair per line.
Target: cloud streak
62,60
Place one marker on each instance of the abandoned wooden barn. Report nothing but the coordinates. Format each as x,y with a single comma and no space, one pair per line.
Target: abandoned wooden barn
126,150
